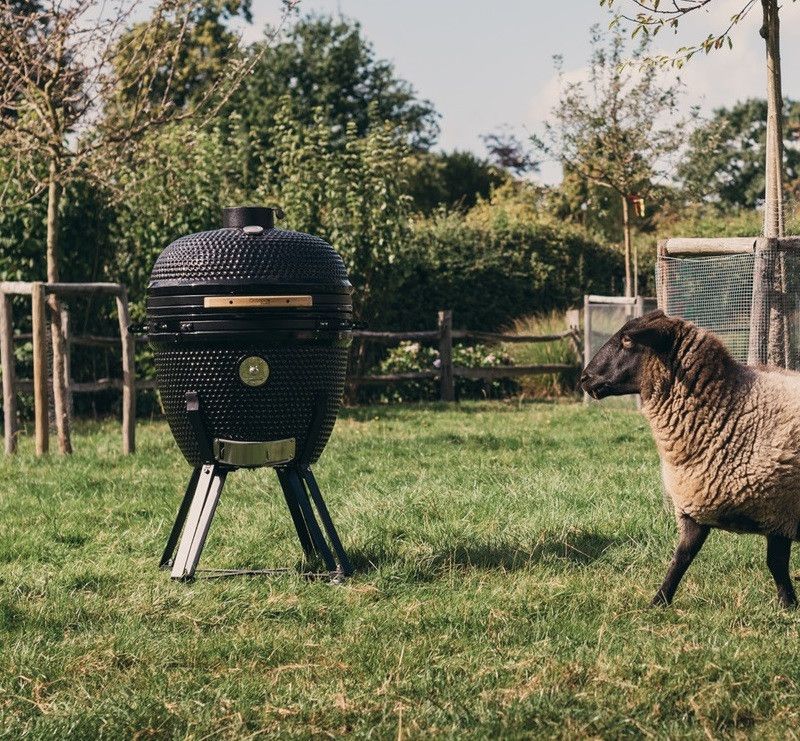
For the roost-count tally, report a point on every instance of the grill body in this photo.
(305, 389)
(207, 314)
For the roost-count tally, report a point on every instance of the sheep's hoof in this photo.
(660, 600)
(787, 603)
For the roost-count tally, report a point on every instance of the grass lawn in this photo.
(506, 555)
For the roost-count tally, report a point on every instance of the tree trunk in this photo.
(56, 336)
(626, 235)
(773, 195)
(775, 296)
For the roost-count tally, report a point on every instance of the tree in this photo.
(326, 64)
(724, 162)
(65, 64)
(612, 134)
(451, 179)
(354, 195)
(509, 153)
(651, 17)
(208, 48)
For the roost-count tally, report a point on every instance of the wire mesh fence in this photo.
(714, 292)
(775, 315)
(750, 299)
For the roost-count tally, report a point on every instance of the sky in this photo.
(489, 65)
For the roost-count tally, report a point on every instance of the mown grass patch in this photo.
(506, 555)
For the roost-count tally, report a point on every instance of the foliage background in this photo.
(325, 128)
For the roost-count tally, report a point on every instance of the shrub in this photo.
(490, 273)
(412, 357)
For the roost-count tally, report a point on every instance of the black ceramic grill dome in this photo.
(201, 349)
(251, 327)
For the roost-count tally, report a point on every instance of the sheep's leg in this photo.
(778, 548)
(693, 535)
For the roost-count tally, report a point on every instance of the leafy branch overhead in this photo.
(70, 65)
(652, 16)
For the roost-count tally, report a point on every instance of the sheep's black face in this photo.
(616, 368)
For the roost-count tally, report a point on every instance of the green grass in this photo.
(506, 556)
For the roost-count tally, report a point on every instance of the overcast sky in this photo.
(486, 65)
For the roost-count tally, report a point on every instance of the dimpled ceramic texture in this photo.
(274, 256)
(303, 382)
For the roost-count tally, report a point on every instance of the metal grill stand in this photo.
(200, 501)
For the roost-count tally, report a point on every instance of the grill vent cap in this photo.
(239, 217)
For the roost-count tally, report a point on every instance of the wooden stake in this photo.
(67, 364)
(446, 384)
(128, 375)
(9, 373)
(587, 337)
(626, 236)
(38, 314)
(60, 402)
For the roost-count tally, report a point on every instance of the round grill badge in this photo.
(254, 371)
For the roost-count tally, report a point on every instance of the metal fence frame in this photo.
(637, 306)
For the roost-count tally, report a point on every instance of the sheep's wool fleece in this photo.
(728, 435)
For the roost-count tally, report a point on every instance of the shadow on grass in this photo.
(578, 548)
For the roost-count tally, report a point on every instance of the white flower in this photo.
(437, 363)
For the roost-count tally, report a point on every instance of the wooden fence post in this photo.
(9, 373)
(128, 374)
(662, 279)
(573, 318)
(39, 320)
(446, 384)
(759, 307)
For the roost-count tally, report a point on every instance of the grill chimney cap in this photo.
(239, 217)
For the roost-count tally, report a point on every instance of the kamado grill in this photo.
(251, 327)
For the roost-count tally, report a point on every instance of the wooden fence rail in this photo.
(447, 371)
(443, 337)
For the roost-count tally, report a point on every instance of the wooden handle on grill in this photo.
(256, 302)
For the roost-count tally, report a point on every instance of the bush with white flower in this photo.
(413, 357)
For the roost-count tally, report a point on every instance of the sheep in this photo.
(728, 436)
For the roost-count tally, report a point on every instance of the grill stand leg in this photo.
(293, 504)
(180, 518)
(198, 520)
(320, 546)
(311, 483)
(199, 504)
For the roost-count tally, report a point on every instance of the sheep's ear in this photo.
(656, 333)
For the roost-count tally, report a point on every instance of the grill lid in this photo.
(249, 250)
(248, 276)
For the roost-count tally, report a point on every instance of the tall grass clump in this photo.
(548, 385)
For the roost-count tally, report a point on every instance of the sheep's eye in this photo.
(627, 342)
